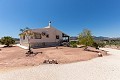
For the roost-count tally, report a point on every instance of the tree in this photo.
(28, 33)
(85, 38)
(7, 40)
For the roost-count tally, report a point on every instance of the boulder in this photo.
(50, 61)
(100, 54)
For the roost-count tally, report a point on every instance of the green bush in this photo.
(73, 44)
(95, 45)
(85, 38)
(7, 40)
(101, 44)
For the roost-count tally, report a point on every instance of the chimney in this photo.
(49, 23)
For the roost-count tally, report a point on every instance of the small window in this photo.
(31, 37)
(57, 36)
(47, 36)
(43, 33)
(38, 36)
(23, 37)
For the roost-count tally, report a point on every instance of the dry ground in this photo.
(104, 68)
(16, 57)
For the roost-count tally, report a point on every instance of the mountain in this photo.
(97, 38)
(16, 39)
(101, 38)
(73, 38)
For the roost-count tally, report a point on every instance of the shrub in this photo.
(73, 44)
(7, 40)
(101, 44)
(85, 38)
(95, 45)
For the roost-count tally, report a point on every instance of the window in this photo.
(23, 37)
(43, 33)
(32, 37)
(47, 36)
(57, 36)
(38, 36)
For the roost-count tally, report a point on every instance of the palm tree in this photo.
(28, 33)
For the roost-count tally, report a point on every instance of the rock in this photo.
(50, 61)
(56, 47)
(100, 54)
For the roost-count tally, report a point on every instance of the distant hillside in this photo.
(73, 38)
(17, 40)
(96, 38)
(105, 38)
(101, 38)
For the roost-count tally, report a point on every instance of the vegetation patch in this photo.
(7, 40)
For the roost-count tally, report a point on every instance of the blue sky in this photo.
(102, 17)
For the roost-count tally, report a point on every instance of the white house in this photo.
(44, 37)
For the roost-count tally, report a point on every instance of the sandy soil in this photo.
(16, 57)
(104, 68)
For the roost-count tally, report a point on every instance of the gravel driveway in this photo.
(104, 68)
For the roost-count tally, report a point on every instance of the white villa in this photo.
(44, 37)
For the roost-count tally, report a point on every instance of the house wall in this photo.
(52, 36)
(44, 41)
(23, 42)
